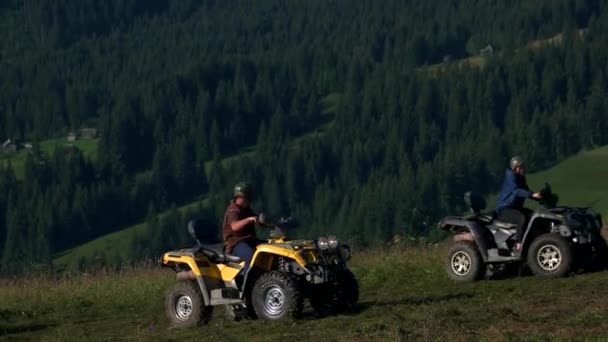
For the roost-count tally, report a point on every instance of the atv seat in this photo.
(483, 217)
(486, 217)
(490, 218)
(477, 203)
(504, 225)
(205, 233)
(216, 254)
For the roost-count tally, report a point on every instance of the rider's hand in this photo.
(253, 219)
(536, 195)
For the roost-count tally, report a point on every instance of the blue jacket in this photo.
(514, 191)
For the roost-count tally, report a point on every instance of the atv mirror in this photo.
(262, 219)
(548, 199)
(546, 189)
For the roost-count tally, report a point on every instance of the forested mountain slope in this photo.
(578, 181)
(173, 85)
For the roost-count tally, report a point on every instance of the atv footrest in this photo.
(221, 301)
(225, 296)
(225, 293)
(494, 256)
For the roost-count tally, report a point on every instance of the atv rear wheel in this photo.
(276, 295)
(184, 305)
(550, 255)
(335, 297)
(464, 262)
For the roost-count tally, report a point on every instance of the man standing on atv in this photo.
(239, 225)
(510, 207)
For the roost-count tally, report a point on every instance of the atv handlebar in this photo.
(278, 226)
(282, 222)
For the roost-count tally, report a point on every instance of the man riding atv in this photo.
(552, 241)
(239, 225)
(510, 206)
(256, 279)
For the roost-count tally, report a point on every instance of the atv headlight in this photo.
(332, 241)
(323, 243)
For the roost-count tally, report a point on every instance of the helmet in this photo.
(516, 161)
(243, 189)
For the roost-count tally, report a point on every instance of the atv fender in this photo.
(480, 234)
(538, 224)
(191, 272)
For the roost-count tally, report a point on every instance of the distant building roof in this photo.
(487, 50)
(88, 132)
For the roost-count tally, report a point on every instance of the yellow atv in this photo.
(282, 274)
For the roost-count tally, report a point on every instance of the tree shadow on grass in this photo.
(18, 329)
(365, 305)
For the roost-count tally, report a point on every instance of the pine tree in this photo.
(15, 252)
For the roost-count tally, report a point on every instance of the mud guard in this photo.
(532, 228)
(481, 235)
(203, 287)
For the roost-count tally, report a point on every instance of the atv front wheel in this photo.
(335, 297)
(464, 262)
(550, 255)
(184, 305)
(276, 295)
(599, 250)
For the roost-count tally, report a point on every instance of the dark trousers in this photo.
(244, 250)
(517, 216)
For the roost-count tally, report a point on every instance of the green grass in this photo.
(87, 146)
(405, 295)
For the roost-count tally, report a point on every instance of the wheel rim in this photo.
(461, 263)
(274, 301)
(183, 307)
(549, 257)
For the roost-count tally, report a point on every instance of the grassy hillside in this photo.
(480, 60)
(118, 241)
(405, 295)
(17, 160)
(581, 180)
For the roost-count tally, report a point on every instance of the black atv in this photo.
(555, 242)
